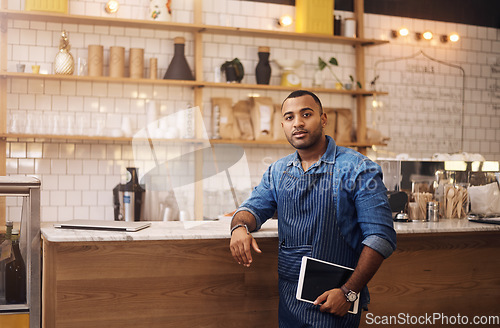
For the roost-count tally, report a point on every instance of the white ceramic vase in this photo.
(159, 10)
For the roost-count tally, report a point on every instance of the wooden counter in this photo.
(125, 281)
(438, 273)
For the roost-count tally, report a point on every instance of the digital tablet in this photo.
(316, 277)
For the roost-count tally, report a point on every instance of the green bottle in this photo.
(15, 274)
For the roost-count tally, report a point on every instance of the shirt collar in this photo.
(328, 157)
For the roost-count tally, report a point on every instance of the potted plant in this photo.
(348, 86)
(339, 85)
(333, 61)
(234, 70)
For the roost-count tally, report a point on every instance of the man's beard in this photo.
(312, 137)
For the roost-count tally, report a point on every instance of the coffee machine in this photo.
(128, 198)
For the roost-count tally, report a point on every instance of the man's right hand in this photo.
(241, 245)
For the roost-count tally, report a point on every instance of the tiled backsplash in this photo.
(78, 176)
(423, 112)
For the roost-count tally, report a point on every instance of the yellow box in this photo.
(314, 16)
(15, 320)
(58, 6)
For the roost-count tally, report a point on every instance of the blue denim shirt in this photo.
(362, 210)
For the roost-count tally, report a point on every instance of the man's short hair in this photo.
(300, 93)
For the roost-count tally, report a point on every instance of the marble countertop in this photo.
(172, 230)
(176, 230)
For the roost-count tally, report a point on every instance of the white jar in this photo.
(350, 27)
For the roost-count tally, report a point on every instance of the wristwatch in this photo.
(350, 295)
(239, 226)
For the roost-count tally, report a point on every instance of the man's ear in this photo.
(324, 119)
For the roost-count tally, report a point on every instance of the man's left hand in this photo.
(333, 301)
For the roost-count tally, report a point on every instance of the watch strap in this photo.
(347, 293)
(239, 226)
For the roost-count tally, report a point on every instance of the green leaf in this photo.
(359, 85)
(352, 79)
(333, 61)
(321, 64)
(240, 71)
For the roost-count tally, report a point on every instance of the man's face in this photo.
(302, 121)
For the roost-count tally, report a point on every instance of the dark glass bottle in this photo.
(179, 68)
(263, 68)
(337, 23)
(132, 196)
(15, 275)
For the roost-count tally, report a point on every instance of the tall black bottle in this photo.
(132, 196)
(15, 274)
(263, 68)
(179, 68)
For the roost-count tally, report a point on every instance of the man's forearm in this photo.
(244, 217)
(368, 264)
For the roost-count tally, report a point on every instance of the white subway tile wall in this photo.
(422, 113)
(431, 96)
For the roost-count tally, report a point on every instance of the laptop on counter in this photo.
(491, 219)
(103, 225)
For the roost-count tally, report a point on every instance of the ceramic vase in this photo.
(64, 62)
(179, 68)
(263, 68)
(160, 10)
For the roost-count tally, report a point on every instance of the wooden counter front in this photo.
(196, 283)
(172, 283)
(444, 273)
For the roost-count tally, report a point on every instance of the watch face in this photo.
(352, 296)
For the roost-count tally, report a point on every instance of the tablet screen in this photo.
(318, 276)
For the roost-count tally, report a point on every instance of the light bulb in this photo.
(112, 6)
(404, 31)
(285, 20)
(427, 35)
(454, 37)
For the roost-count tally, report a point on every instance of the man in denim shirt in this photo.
(332, 205)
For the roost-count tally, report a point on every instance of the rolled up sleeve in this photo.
(381, 245)
(262, 202)
(373, 210)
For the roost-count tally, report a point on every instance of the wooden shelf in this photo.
(108, 79)
(284, 142)
(286, 88)
(93, 138)
(184, 27)
(62, 137)
(249, 142)
(96, 20)
(184, 83)
(272, 34)
(130, 139)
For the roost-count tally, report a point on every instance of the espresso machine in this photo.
(128, 198)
